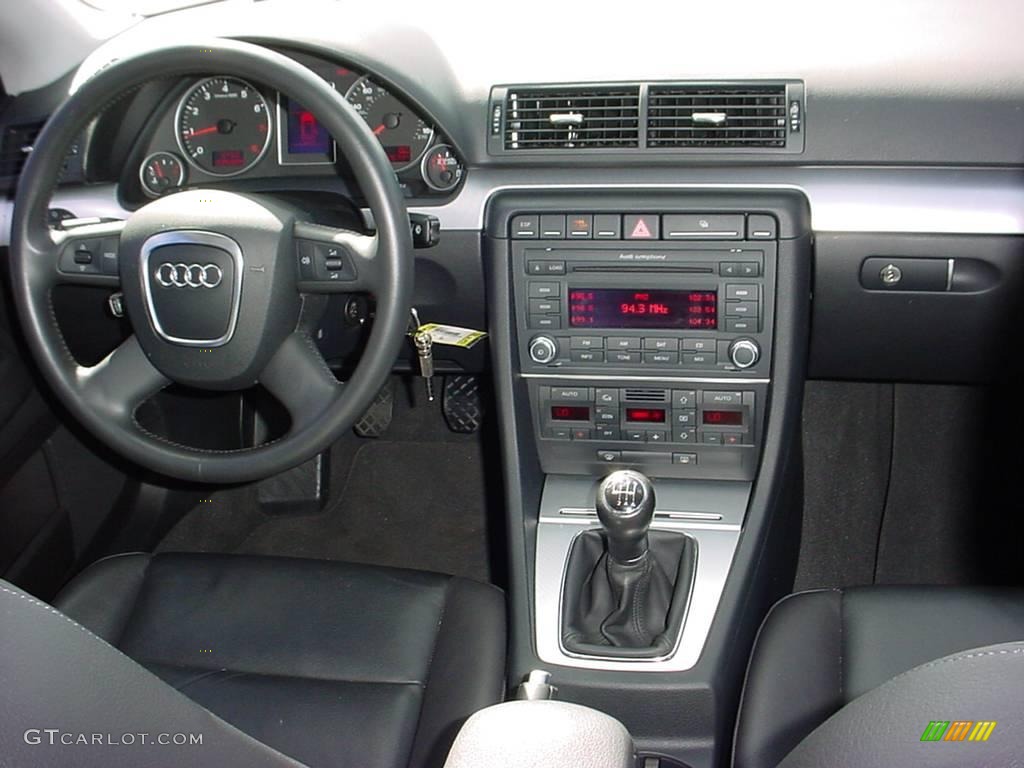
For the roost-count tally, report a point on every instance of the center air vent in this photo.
(640, 395)
(572, 118)
(718, 116)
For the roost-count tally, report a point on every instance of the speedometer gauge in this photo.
(223, 126)
(403, 134)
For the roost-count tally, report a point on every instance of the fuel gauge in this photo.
(441, 169)
(160, 173)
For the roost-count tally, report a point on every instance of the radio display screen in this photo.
(655, 308)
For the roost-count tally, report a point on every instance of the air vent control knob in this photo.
(744, 353)
(543, 350)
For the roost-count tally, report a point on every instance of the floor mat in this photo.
(411, 505)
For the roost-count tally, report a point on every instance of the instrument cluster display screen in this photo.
(654, 308)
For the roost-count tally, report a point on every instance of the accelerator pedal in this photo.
(462, 403)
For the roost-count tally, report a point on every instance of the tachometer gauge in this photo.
(160, 173)
(403, 134)
(223, 126)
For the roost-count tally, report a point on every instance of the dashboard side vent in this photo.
(638, 395)
(572, 118)
(718, 116)
(16, 145)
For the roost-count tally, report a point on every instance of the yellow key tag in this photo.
(452, 335)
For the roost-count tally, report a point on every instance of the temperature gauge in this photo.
(160, 173)
(441, 169)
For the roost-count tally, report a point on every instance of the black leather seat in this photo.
(818, 651)
(329, 663)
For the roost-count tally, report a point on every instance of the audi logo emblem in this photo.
(182, 275)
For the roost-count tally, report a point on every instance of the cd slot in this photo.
(691, 269)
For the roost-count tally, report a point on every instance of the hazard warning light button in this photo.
(642, 226)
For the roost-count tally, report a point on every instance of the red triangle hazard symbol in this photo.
(641, 230)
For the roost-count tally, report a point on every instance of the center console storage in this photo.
(664, 333)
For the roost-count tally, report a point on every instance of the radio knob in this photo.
(744, 353)
(543, 349)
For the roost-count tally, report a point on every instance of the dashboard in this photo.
(219, 128)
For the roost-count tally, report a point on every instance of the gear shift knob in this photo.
(625, 507)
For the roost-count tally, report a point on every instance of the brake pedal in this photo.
(462, 403)
(377, 418)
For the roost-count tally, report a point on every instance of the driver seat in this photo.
(327, 663)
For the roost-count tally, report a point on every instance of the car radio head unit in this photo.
(655, 308)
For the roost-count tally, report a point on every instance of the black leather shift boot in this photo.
(632, 611)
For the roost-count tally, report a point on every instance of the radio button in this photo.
(749, 269)
(580, 226)
(545, 267)
(622, 342)
(741, 292)
(729, 269)
(607, 226)
(624, 358)
(662, 345)
(739, 325)
(604, 432)
(545, 306)
(606, 396)
(543, 290)
(698, 345)
(684, 398)
(661, 358)
(586, 342)
(572, 394)
(587, 356)
(552, 227)
(699, 359)
(544, 322)
(525, 228)
(741, 308)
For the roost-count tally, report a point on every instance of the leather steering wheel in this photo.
(239, 324)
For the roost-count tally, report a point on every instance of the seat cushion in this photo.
(817, 651)
(332, 664)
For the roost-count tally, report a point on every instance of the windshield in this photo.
(143, 7)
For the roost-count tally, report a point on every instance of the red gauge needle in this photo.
(211, 129)
(379, 129)
(159, 170)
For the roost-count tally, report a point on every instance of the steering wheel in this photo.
(211, 280)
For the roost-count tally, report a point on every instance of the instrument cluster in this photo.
(223, 127)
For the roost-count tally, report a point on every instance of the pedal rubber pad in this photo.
(462, 403)
(377, 418)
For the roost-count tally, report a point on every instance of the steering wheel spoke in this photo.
(336, 260)
(119, 383)
(298, 376)
(87, 254)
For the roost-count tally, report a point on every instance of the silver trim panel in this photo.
(716, 544)
(190, 237)
(654, 378)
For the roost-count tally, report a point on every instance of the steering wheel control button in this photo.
(192, 283)
(79, 257)
(323, 262)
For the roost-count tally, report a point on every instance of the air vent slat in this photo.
(573, 118)
(16, 145)
(716, 117)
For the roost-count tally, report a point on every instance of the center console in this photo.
(659, 333)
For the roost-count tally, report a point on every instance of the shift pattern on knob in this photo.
(625, 507)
